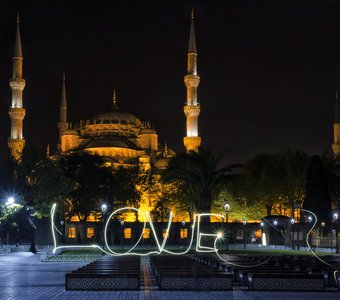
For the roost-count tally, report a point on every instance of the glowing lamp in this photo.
(226, 207)
(104, 208)
(10, 201)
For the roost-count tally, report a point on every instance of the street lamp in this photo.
(10, 201)
(62, 232)
(292, 222)
(244, 233)
(104, 210)
(335, 218)
(226, 208)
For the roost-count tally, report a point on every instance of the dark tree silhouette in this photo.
(317, 195)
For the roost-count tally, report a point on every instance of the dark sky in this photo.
(269, 69)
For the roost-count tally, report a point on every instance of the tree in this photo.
(317, 195)
(24, 185)
(50, 185)
(129, 185)
(274, 181)
(202, 172)
(173, 196)
(90, 180)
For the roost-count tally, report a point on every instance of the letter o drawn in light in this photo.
(108, 221)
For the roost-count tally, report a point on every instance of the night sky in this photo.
(269, 69)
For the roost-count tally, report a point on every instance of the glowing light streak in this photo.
(199, 247)
(146, 218)
(307, 236)
(161, 247)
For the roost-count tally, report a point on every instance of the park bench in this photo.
(108, 273)
(184, 273)
(286, 282)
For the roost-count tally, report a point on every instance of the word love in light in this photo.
(161, 246)
(147, 219)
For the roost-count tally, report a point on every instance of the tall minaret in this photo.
(336, 128)
(192, 108)
(16, 142)
(62, 124)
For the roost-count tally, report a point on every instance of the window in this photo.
(127, 233)
(165, 233)
(146, 233)
(90, 232)
(183, 233)
(72, 233)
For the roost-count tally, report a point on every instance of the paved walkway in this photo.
(23, 276)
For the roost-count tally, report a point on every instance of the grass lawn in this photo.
(278, 252)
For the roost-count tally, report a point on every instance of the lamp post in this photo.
(9, 202)
(62, 232)
(292, 222)
(335, 218)
(104, 210)
(244, 233)
(226, 208)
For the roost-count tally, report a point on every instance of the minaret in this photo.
(62, 124)
(336, 128)
(192, 108)
(16, 142)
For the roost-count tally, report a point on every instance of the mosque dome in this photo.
(70, 132)
(162, 163)
(148, 131)
(116, 116)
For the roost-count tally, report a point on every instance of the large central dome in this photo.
(116, 116)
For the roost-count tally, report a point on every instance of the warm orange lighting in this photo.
(146, 233)
(183, 233)
(127, 233)
(72, 233)
(90, 232)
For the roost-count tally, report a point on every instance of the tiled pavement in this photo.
(23, 276)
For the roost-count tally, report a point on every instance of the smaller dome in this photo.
(162, 164)
(70, 132)
(148, 131)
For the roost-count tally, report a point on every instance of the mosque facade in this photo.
(121, 138)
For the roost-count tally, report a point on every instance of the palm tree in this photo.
(200, 170)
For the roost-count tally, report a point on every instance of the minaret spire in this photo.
(114, 101)
(192, 40)
(16, 142)
(62, 124)
(192, 108)
(336, 128)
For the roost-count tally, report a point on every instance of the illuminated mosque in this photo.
(120, 137)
